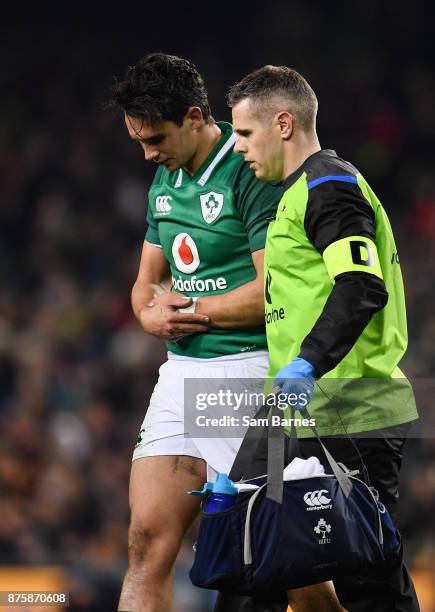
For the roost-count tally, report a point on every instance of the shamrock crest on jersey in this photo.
(211, 205)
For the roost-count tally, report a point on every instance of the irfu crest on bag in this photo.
(323, 529)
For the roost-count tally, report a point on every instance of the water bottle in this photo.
(222, 496)
(391, 537)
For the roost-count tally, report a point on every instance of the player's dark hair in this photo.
(160, 87)
(269, 82)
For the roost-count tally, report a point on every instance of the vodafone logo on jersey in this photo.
(185, 253)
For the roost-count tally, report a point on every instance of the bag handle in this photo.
(248, 448)
(275, 452)
(252, 439)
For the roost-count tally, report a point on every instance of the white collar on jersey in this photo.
(206, 174)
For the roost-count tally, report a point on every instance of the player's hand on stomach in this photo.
(161, 317)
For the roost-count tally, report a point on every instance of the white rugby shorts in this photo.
(163, 429)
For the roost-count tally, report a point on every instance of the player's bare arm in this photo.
(241, 307)
(156, 313)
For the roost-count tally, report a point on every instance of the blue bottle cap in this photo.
(208, 486)
(224, 485)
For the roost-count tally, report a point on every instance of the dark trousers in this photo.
(387, 590)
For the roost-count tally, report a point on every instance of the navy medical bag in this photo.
(290, 534)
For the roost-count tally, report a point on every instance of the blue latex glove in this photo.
(296, 380)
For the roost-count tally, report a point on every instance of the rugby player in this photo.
(207, 221)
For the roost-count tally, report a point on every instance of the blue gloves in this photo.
(296, 380)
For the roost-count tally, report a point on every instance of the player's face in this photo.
(164, 143)
(258, 141)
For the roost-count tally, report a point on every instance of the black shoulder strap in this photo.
(275, 452)
(249, 447)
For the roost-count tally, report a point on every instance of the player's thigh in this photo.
(315, 598)
(158, 493)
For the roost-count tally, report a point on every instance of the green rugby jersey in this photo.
(208, 225)
(330, 263)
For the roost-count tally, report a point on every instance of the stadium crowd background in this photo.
(76, 370)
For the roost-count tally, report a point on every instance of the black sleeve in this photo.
(355, 298)
(338, 210)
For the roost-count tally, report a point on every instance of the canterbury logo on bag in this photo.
(317, 500)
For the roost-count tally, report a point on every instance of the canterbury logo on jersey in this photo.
(317, 500)
(162, 204)
(185, 253)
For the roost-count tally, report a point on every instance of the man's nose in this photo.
(239, 146)
(150, 153)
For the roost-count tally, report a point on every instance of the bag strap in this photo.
(275, 451)
(275, 458)
(334, 400)
(341, 475)
(248, 448)
(275, 462)
(254, 436)
(247, 550)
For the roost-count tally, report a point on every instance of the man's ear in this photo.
(195, 116)
(285, 121)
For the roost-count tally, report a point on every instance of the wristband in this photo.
(189, 309)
